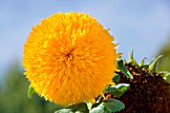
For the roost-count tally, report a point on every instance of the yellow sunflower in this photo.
(69, 58)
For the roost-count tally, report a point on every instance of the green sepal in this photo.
(132, 59)
(30, 92)
(116, 78)
(146, 66)
(153, 63)
(118, 90)
(114, 105)
(123, 68)
(101, 108)
(142, 63)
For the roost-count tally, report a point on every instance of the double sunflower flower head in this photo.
(69, 58)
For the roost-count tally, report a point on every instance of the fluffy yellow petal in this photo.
(69, 58)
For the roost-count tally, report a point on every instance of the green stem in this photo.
(99, 100)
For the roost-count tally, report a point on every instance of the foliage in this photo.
(107, 106)
(164, 63)
(13, 95)
(148, 86)
(123, 68)
(118, 90)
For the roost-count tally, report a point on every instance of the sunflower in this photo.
(69, 58)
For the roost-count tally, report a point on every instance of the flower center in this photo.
(69, 56)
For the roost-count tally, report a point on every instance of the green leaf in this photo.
(82, 107)
(30, 92)
(76, 108)
(114, 105)
(153, 63)
(64, 111)
(116, 78)
(118, 90)
(95, 105)
(123, 68)
(101, 108)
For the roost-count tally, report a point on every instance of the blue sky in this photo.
(140, 24)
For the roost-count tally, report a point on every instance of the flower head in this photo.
(69, 58)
